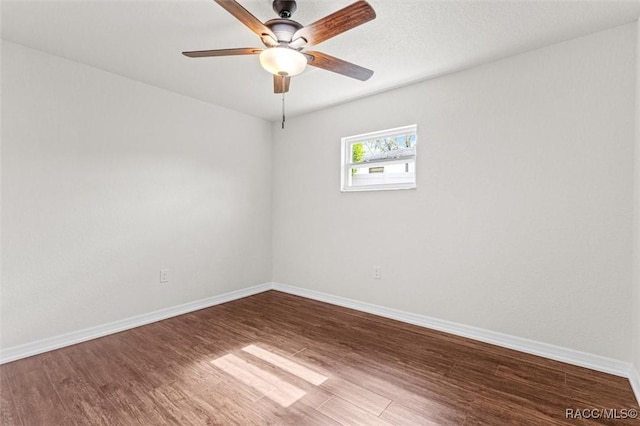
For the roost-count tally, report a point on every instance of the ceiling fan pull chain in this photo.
(283, 83)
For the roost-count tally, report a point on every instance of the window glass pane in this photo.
(378, 174)
(397, 146)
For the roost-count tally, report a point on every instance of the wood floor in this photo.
(280, 359)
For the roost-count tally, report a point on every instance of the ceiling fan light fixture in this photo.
(283, 61)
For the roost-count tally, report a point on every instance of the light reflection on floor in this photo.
(286, 364)
(266, 383)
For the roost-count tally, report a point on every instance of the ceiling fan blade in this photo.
(244, 16)
(338, 22)
(281, 84)
(327, 62)
(222, 52)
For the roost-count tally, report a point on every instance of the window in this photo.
(380, 160)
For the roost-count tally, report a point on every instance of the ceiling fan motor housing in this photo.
(283, 28)
(284, 8)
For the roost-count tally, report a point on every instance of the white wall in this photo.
(521, 222)
(105, 181)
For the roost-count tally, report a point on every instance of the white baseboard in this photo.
(634, 379)
(60, 341)
(558, 353)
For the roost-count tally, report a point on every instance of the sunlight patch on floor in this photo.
(286, 365)
(271, 386)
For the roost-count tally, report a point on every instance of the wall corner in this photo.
(635, 284)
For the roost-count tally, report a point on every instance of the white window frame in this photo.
(347, 165)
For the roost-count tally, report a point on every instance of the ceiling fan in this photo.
(286, 39)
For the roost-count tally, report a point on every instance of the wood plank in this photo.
(37, 401)
(133, 404)
(235, 403)
(601, 389)
(357, 395)
(543, 404)
(270, 385)
(426, 392)
(525, 373)
(81, 399)
(348, 414)
(182, 408)
(8, 412)
(238, 369)
(403, 416)
(302, 412)
(323, 360)
(497, 412)
(286, 364)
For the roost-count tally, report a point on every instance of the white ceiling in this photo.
(410, 40)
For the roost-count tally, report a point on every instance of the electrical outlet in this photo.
(164, 275)
(376, 272)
